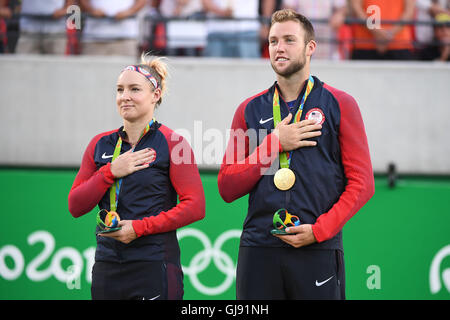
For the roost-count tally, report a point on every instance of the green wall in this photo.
(389, 245)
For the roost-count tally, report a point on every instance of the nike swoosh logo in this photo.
(264, 121)
(318, 284)
(104, 156)
(154, 298)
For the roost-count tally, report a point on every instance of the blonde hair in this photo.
(290, 15)
(158, 68)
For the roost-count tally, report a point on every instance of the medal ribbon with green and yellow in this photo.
(285, 156)
(115, 188)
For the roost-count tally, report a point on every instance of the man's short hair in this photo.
(290, 15)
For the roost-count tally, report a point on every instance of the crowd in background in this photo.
(345, 29)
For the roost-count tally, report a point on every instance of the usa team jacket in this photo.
(148, 196)
(334, 179)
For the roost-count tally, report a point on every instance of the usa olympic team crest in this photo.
(316, 114)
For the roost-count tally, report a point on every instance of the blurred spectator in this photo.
(266, 9)
(151, 35)
(442, 33)
(332, 13)
(5, 13)
(239, 38)
(73, 31)
(43, 27)
(111, 27)
(388, 42)
(9, 25)
(427, 10)
(184, 37)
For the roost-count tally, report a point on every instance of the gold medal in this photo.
(284, 179)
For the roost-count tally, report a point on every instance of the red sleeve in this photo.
(357, 168)
(90, 184)
(186, 181)
(240, 171)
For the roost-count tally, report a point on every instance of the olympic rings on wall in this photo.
(202, 259)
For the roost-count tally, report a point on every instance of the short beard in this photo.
(292, 69)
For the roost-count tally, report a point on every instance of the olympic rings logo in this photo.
(202, 259)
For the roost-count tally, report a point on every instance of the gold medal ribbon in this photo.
(285, 156)
(115, 188)
(284, 178)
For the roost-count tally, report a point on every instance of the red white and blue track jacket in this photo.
(334, 179)
(148, 196)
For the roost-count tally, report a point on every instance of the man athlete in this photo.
(318, 134)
